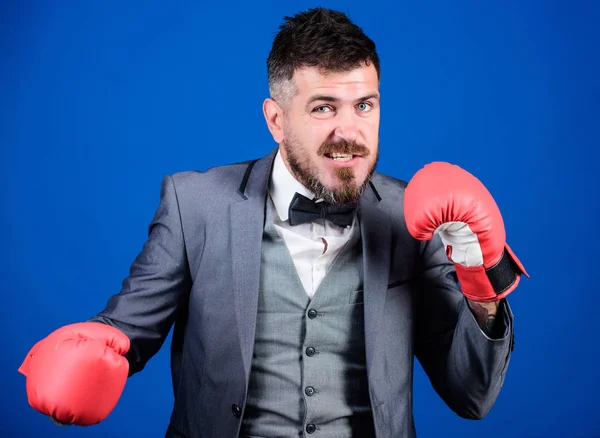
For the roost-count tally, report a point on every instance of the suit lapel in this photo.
(247, 224)
(376, 244)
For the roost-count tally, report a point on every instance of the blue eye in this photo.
(364, 106)
(321, 109)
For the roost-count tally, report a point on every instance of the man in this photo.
(301, 285)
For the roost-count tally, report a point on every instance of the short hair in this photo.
(321, 38)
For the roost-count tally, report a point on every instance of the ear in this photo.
(274, 117)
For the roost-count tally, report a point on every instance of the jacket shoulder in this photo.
(388, 185)
(222, 179)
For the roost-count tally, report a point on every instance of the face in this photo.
(330, 132)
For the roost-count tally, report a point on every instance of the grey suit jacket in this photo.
(199, 271)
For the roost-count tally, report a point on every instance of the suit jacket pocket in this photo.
(395, 284)
(358, 296)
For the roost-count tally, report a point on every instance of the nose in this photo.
(346, 128)
(347, 133)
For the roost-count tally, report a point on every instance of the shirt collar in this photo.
(283, 186)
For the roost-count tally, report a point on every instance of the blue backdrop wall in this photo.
(100, 100)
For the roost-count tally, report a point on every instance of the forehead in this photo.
(359, 81)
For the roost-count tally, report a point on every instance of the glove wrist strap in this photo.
(494, 283)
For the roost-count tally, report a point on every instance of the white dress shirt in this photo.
(312, 245)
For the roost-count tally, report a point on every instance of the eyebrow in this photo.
(326, 98)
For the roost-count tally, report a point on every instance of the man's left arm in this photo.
(466, 363)
(443, 200)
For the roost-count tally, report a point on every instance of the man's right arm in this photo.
(80, 359)
(158, 282)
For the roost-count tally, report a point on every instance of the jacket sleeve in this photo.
(465, 366)
(157, 287)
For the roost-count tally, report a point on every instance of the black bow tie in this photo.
(303, 210)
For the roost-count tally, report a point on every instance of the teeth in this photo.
(341, 157)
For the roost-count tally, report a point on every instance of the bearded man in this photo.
(302, 285)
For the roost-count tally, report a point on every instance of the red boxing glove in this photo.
(443, 198)
(76, 375)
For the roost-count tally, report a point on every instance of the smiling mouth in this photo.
(341, 157)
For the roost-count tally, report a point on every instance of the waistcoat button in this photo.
(237, 411)
(310, 351)
(312, 313)
(309, 390)
(311, 428)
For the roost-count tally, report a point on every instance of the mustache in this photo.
(343, 147)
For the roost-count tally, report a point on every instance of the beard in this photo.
(350, 191)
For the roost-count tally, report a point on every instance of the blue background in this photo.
(100, 100)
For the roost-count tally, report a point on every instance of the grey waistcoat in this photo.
(308, 369)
